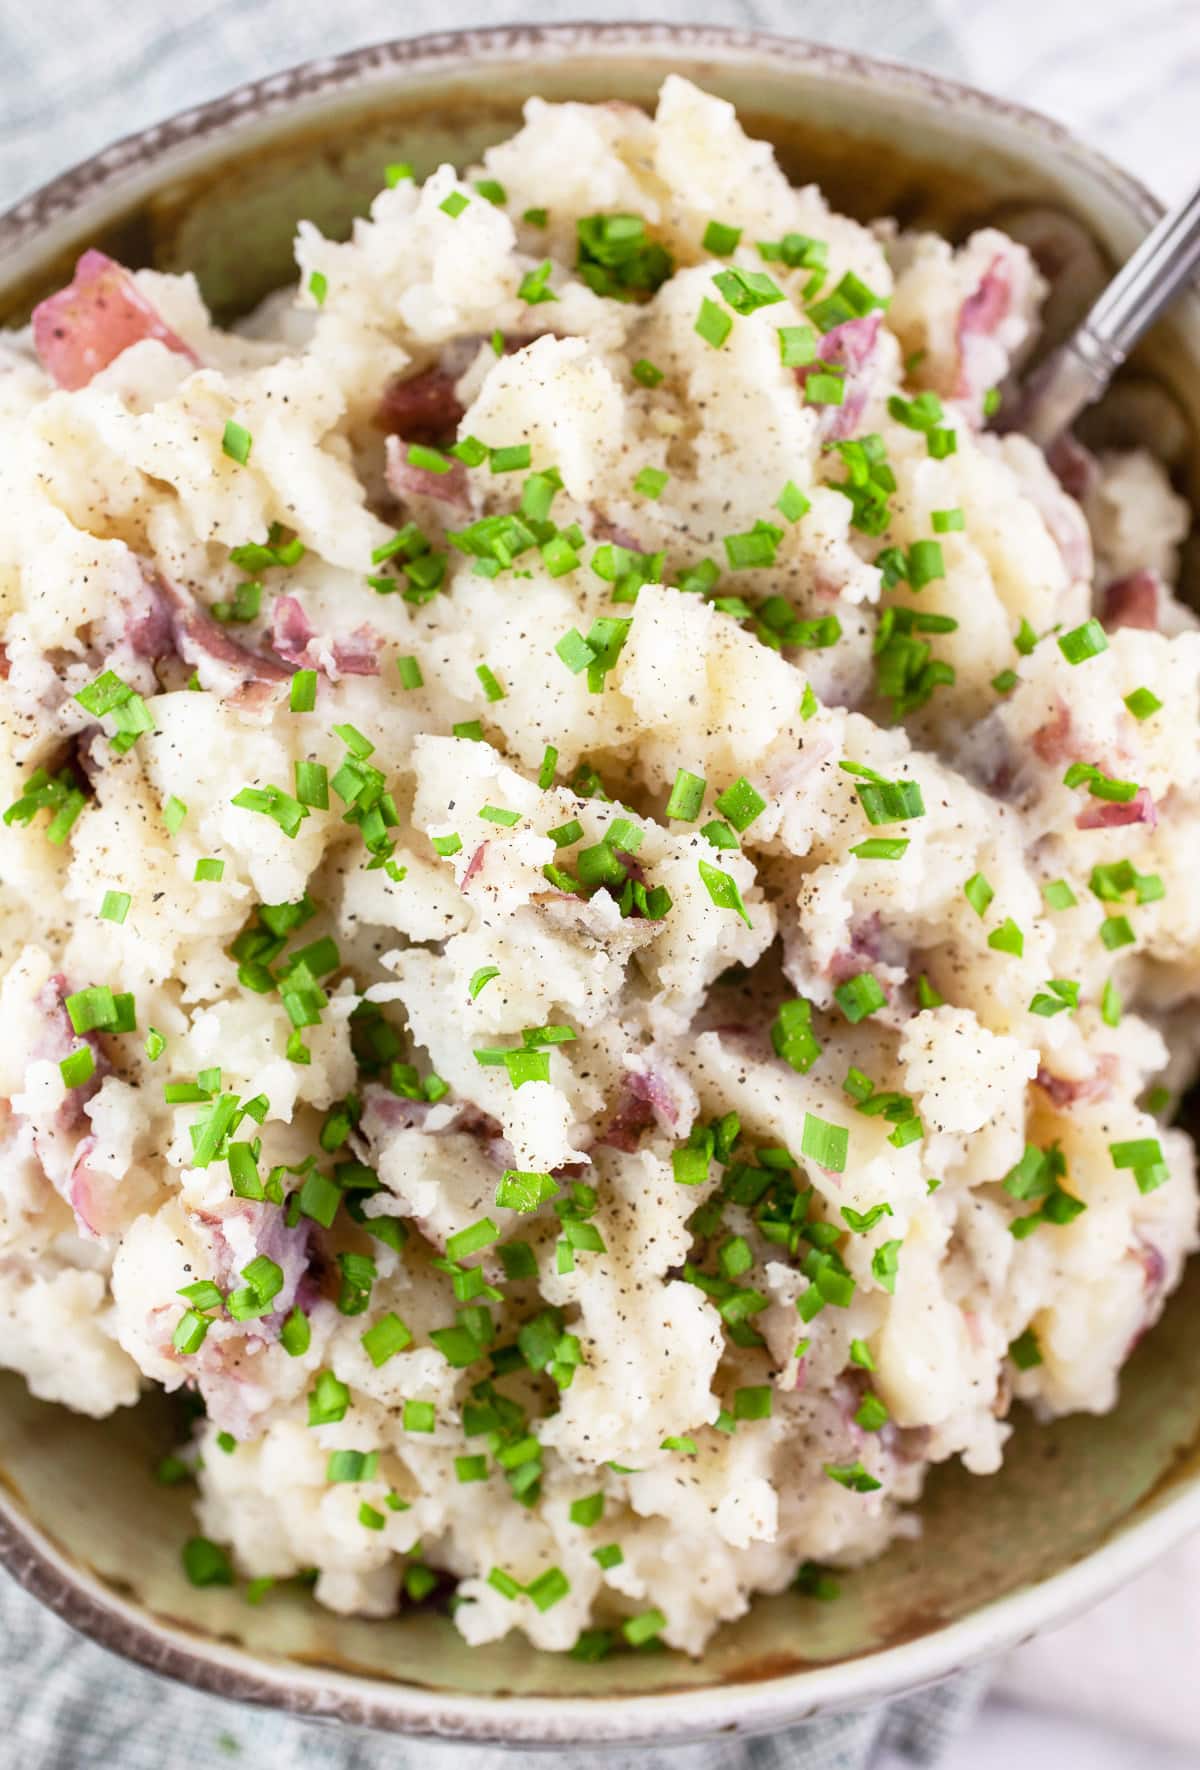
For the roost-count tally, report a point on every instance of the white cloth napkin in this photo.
(1132, 1663)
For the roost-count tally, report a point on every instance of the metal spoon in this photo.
(1080, 370)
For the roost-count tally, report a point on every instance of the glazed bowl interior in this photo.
(82, 1519)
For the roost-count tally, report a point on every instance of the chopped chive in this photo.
(312, 785)
(510, 459)
(575, 651)
(687, 796)
(1061, 996)
(115, 906)
(885, 1263)
(385, 1338)
(1008, 938)
(205, 1563)
(534, 288)
(351, 1465)
(872, 1413)
(472, 1239)
(525, 1191)
(548, 1588)
(1025, 639)
(752, 1403)
(208, 871)
(862, 1221)
(1084, 642)
(419, 1581)
(646, 374)
(1058, 895)
(236, 442)
(946, 522)
(644, 1627)
(721, 239)
(797, 346)
(978, 893)
(1136, 1152)
(890, 802)
(740, 804)
(1143, 703)
(491, 686)
(481, 978)
(1110, 1004)
(453, 204)
(756, 547)
(723, 890)
(792, 502)
(713, 324)
(566, 835)
(925, 563)
(78, 1067)
(559, 556)
(826, 388)
(189, 1332)
(747, 290)
(792, 1036)
(650, 481)
(861, 996)
(881, 848)
(825, 1144)
(303, 694)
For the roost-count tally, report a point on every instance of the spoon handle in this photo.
(1081, 369)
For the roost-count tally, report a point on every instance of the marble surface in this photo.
(1117, 1690)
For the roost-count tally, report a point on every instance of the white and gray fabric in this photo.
(74, 75)
(66, 1704)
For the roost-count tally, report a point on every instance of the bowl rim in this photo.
(78, 1595)
(105, 171)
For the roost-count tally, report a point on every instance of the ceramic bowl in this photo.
(1082, 1503)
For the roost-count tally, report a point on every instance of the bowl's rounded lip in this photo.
(98, 174)
(81, 1597)
(316, 1692)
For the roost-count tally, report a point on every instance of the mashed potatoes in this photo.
(596, 883)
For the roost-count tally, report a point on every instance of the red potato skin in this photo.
(86, 326)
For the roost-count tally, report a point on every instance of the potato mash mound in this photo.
(598, 884)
